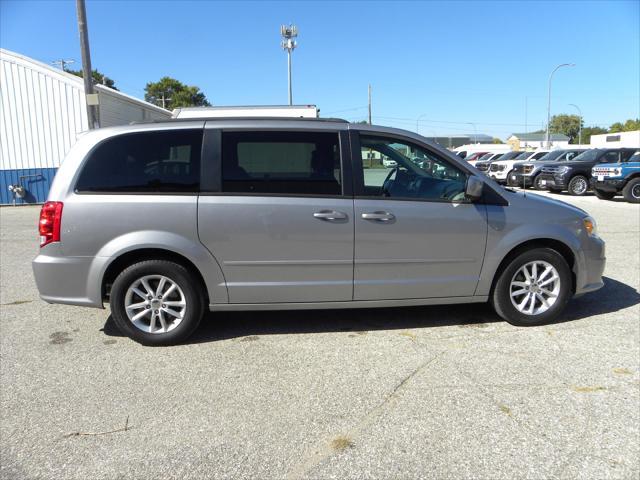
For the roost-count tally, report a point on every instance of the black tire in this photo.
(631, 190)
(511, 183)
(191, 289)
(602, 195)
(501, 294)
(578, 185)
(536, 183)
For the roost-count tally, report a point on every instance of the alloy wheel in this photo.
(535, 287)
(155, 304)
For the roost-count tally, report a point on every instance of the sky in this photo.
(457, 67)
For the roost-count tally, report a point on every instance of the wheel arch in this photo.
(557, 245)
(131, 257)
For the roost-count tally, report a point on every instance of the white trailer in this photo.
(276, 111)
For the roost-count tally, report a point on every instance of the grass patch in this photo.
(622, 371)
(587, 389)
(506, 410)
(342, 442)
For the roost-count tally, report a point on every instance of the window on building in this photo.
(162, 161)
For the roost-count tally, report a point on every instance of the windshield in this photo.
(552, 156)
(537, 155)
(523, 156)
(588, 156)
(509, 156)
(635, 157)
(486, 156)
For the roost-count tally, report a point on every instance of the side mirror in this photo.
(473, 188)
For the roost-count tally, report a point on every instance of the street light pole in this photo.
(547, 141)
(579, 122)
(475, 129)
(289, 44)
(418, 121)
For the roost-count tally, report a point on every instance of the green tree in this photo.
(588, 131)
(628, 126)
(568, 125)
(496, 140)
(98, 78)
(176, 94)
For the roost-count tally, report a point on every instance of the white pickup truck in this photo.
(500, 169)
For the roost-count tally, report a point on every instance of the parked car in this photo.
(487, 157)
(474, 157)
(526, 174)
(167, 220)
(484, 165)
(611, 179)
(501, 169)
(388, 163)
(574, 176)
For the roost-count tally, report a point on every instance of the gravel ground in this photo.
(429, 392)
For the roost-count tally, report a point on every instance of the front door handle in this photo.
(379, 216)
(330, 215)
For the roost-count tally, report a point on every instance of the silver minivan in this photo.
(166, 220)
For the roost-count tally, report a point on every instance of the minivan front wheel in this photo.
(156, 302)
(533, 289)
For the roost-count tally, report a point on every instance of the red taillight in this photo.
(50, 220)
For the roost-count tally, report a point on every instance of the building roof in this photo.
(539, 137)
(70, 78)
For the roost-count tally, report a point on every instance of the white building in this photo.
(42, 111)
(528, 141)
(620, 139)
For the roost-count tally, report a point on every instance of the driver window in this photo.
(401, 170)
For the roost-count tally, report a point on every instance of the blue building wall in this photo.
(37, 188)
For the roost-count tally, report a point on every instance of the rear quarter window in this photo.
(155, 162)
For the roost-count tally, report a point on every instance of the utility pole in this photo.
(579, 122)
(369, 104)
(547, 137)
(63, 63)
(163, 100)
(90, 99)
(289, 44)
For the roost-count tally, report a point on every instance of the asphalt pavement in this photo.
(428, 392)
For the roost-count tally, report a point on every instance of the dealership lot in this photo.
(414, 392)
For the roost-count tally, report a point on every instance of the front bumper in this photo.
(589, 274)
(500, 177)
(608, 185)
(552, 181)
(520, 179)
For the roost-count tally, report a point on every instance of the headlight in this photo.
(562, 170)
(590, 226)
(617, 172)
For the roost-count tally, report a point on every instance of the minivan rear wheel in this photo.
(533, 289)
(156, 302)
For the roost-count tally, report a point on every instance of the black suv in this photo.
(526, 174)
(574, 175)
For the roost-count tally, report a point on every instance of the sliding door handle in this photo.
(330, 215)
(379, 216)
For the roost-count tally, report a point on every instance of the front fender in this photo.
(501, 243)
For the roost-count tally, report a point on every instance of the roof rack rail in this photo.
(248, 119)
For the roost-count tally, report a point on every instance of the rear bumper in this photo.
(67, 280)
(607, 185)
